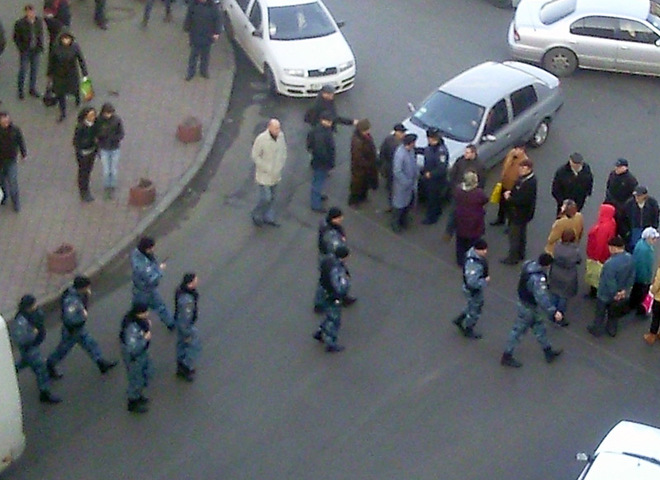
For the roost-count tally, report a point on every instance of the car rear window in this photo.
(555, 10)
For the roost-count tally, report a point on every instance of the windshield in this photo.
(297, 22)
(456, 118)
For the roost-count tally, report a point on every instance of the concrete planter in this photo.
(190, 131)
(142, 194)
(62, 259)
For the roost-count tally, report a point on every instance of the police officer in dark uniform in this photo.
(475, 279)
(134, 337)
(188, 345)
(336, 282)
(331, 236)
(434, 180)
(74, 303)
(28, 333)
(534, 302)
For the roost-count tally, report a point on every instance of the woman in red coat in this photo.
(597, 245)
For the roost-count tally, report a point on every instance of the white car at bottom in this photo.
(630, 451)
(296, 44)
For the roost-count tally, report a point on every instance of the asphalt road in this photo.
(409, 398)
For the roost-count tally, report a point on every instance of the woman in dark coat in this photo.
(364, 173)
(65, 58)
(469, 200)
(563, 278)
(84, 142)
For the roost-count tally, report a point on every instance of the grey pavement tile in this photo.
(141, 73)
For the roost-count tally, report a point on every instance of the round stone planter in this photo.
(189, 131)
(62, 259)
(142, 194)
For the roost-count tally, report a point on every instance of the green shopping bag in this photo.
(86, 89)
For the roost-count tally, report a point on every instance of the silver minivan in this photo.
(613, 35)
(494, 106)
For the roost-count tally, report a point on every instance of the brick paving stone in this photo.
(141, 72)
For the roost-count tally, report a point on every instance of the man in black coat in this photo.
(639, 212)
(573, 181)
(521, 202)
(29, 40)
(321, 144)
(204, 25)
(620, 185)
(325, 102)
(11, 143)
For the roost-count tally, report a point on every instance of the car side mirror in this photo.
(258, 33)
(583, 457)
(341, 23)
(489, 138)
(411, 107)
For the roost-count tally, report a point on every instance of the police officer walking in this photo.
(134, 337)
(28, 333)
(534, 300)
(147, 273)
(74, 304)
(336, 282)
(434, 180)
(475, 279)
(331, 236)
(188, 345)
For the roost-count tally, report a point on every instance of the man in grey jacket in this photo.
(269, 156)
(616, 281)
(405, 173)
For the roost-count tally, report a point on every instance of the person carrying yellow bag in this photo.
(508, 179)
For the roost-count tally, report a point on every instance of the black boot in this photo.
(551, 354)
(335, 348)
(185, 373)
(47, 397)
(105, 365)
(136, 406)
(458, 321)
(143, 399)
(508, 361)
(318, 336)
(53, 372)
(348, 301)
(470, 333)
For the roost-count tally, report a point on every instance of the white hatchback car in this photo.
(296, 44)
(630, 451)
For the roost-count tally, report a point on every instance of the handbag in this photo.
(647, 303)
(496, 194)
(86, 89)
(49, 98)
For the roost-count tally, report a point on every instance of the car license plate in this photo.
(316, 86)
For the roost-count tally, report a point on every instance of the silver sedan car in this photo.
(613, 35)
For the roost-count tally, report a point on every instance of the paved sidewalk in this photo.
(141, 72)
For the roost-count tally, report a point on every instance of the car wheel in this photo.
(540, 134)
(229, 28)
(560, 61)
(270, 80)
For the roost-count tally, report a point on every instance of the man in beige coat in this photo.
(269, 156)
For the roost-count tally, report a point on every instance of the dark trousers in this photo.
(462, 246)
(61, 102)
(517, 241)
(199, 53)
(99, 12)
(606, 319)
(433, 191)
(29, 59)
(655, 321)
(9, 183)
(85, 166)
(400, 218)
(637, 295)
(501, 211)
(149, 5)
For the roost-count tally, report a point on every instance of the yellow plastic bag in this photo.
(496, 194)
(592, 273)
(86, 89)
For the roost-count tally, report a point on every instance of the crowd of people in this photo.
(28, 330)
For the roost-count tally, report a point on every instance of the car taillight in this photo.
(516, 35)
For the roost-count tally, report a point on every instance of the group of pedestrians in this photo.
(28, 331)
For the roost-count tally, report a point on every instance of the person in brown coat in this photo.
(364, 173)
(508, 178)
(569, 219)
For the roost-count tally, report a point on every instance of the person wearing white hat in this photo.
(644, 258)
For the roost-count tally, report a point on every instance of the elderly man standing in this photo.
(404, 174)
(269, 156)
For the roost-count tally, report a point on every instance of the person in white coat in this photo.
(269, 156)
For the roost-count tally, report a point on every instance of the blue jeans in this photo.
(110, 161)
(264, 211)
(9, 183)
(28, 59)
(201, 52)
(69, 340)
(318, 182)
(155, 302)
